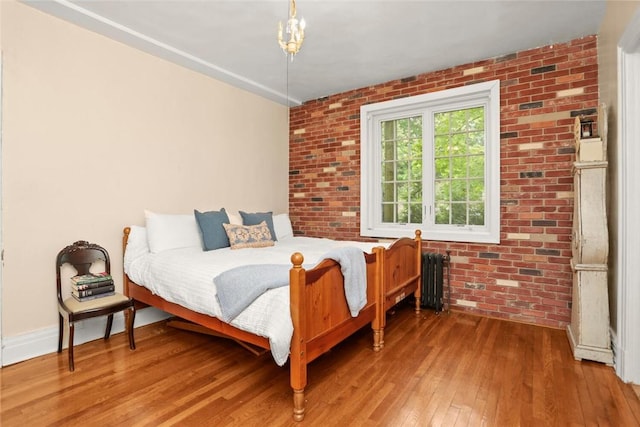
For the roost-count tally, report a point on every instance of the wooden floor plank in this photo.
(447, 369)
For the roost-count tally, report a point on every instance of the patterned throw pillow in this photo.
(256, 218)
(248, 236)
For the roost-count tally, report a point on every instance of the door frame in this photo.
(1, 210)
(628, 251)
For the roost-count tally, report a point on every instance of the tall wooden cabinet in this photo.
(589, 329)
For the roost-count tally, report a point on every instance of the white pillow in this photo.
(234, 218)
(282, 226)
(165, 231)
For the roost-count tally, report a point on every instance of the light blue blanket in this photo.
(238, 287)
(354, 270)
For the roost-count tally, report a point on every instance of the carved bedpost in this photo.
(129, 315)
(418, 293)
(380, 320)
(298, 355)
(125, 279)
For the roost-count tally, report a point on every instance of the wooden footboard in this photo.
(321, 317)
(319, 312)
(399, 267)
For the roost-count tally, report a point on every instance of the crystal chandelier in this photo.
(295, 30)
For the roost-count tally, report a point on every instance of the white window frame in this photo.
(486, 94)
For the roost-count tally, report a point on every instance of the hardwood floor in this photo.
(435, 370)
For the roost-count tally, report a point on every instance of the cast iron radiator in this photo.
(433, 268)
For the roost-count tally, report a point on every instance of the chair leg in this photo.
(107, 331)
(71, 365)
(60, 331)
(131, 316)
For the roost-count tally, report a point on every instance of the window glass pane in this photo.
(475, 120)
(459, 191)
(441, 123)
(442, 213)
(416, 148)
(475, 142)
(403, 214)
(387, 171)
(402, 129)
(388, 131)
(388, 212)
(459, 167)
(403, 150)
(443, 191)
(415, 127)
(402, 171)
(459, 213)
(416, 171)
(476, 166)
(441, 146)
(458, 121)
(476, 213)
(402, 191)
(442, 168)
(416, 192)
(416, 213)
(458, 144)
(388, 193)
(388, 150)
(476, 190)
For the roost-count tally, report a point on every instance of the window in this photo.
(433, 162)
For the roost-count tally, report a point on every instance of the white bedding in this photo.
(185, 277)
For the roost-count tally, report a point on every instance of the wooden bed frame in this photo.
(319, 312)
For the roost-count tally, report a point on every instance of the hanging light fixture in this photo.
(295, 31)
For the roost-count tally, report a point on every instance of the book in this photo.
(91, 297)
(84, 286)
(94, 291)
(91, 278)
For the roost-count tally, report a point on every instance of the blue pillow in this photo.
(256, 218)
(213, 233)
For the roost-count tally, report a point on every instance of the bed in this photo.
(318, 312)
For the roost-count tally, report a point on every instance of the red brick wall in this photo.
(527, 277)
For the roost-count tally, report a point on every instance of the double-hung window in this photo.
(432, 162)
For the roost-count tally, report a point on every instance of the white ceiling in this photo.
(349, 43)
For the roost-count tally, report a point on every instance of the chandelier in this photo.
(295, 31)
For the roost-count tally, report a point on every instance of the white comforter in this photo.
(185, 277)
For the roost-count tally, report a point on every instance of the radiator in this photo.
(433, 266)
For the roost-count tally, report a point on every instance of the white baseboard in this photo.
(44, 341)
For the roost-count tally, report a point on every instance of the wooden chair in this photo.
(82, 255)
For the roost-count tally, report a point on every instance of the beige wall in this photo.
(95, 132)
(616, 19)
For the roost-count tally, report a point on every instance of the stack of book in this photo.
(91, 286)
